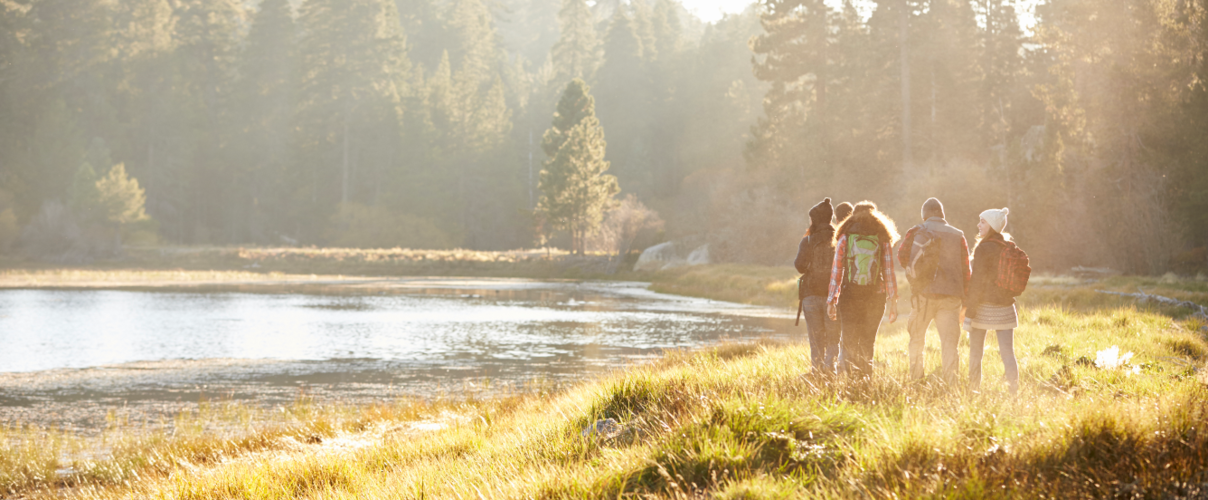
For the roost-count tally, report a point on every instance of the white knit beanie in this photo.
(997, 218)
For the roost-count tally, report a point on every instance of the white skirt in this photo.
(993, 318)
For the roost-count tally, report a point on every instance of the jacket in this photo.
(982, 289)
(815, 279)
(952, 277)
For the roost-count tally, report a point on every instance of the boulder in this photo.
(670, 255)
(607, 428)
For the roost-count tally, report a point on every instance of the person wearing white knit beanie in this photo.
(987, 305)
(996, 218)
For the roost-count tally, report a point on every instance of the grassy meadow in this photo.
(731, 421)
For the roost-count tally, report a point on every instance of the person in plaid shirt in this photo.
(861, 288)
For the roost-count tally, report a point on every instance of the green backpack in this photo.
(863, 264)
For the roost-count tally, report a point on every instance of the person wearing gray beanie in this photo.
(842, 212)
(814, 257)
(933, 208)
(989, 306)
(935, 256)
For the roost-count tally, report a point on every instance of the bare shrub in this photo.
(622, 225)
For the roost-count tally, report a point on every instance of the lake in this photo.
(74, 353)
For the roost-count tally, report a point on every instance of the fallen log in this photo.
(1198, 311)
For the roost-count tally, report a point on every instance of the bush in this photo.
(55, 234)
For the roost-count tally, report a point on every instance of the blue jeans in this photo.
(1006, 349)
(823, 333)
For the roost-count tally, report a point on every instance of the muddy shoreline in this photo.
(82, 400)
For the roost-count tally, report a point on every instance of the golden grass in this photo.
(165, 266)
(746, 284)
(752, 421)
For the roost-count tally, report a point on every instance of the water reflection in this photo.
(368, 341)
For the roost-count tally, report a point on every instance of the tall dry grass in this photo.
(753, 421)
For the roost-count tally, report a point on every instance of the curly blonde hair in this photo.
(866, 216)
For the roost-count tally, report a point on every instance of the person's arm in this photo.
(891, 283)
(836, 276)
(980, 277)
(968, 270)
(889, 277)
(802, 263)
(904, 249)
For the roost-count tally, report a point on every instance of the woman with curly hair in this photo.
(862, 283)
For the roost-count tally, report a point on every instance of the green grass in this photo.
(736, 421)
(745, 284)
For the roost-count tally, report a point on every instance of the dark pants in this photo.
(860, 315)
(823, 333)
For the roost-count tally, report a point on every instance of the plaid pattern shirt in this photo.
(889, 280)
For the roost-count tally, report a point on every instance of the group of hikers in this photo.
(848, 284)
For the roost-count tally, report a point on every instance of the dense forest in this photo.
(420, 123)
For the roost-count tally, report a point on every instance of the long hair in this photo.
(978, 239)
(865, 216)
(818, 228)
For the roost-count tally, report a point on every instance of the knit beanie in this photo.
(933, 208)
(821, 213)
(843, 211)
(997, 218)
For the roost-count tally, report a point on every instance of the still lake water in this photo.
(110, 348)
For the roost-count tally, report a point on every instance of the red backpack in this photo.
(1013, 269)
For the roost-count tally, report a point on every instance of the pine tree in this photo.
(83, 196)
(797, 64)
(150, 92)
(1001, 66)
(576, 53)
(207, 34)
(266, 97)
(575, 191)
(946, 79)
(354, 72)
(120, 198)
(626, 95)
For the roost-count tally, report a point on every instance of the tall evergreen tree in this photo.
(266, 98)
(626, 95)
(575, 191)
(354, 73)
(796, 62)
(946, 80)
(159, 138)
(1001, 67)
(576, 53)
(207, 34)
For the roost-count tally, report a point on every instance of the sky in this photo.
(712, 10)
